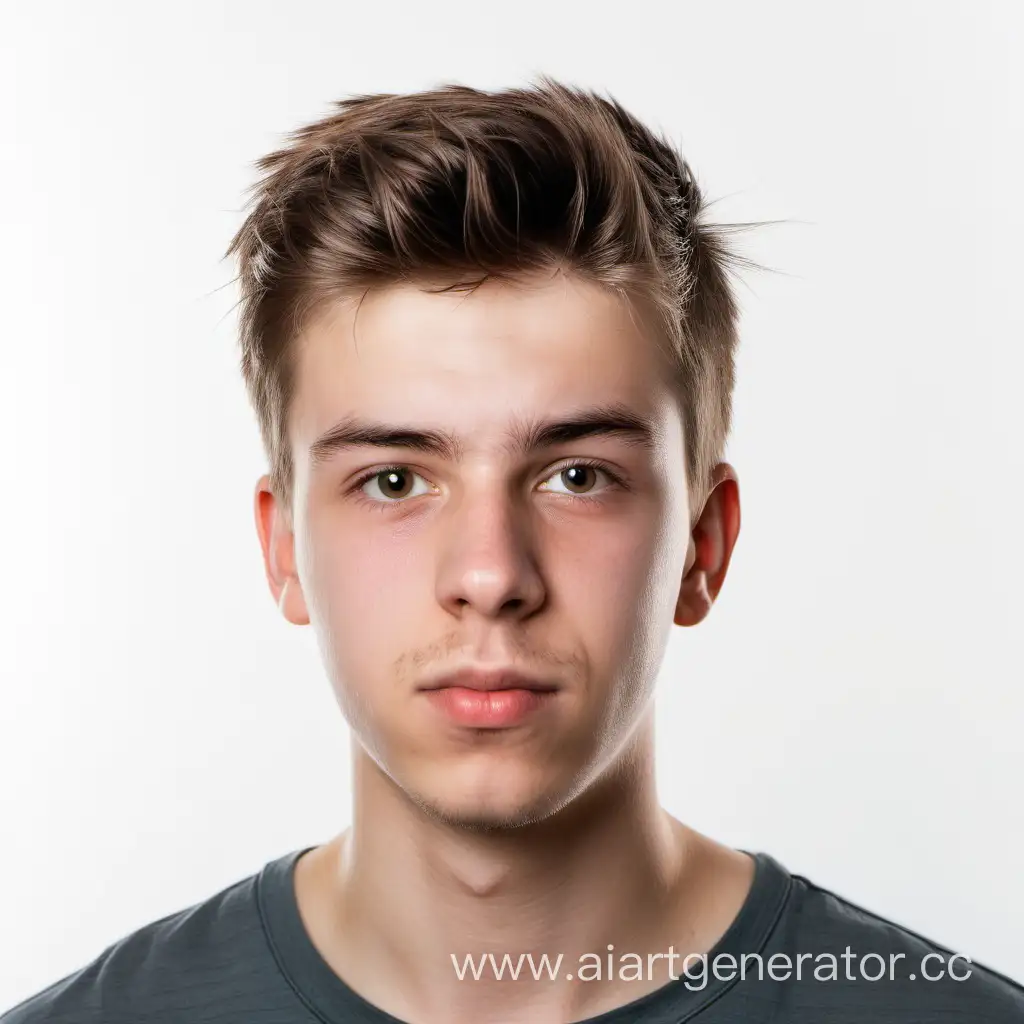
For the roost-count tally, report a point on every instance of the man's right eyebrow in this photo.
(358, 433)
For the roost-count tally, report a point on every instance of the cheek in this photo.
(613, 566)
(360, 597)
(614, 587)
(356, 583)
(365, 600)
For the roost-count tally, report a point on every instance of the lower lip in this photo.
(488, 709)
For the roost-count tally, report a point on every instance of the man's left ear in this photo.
(710, 548)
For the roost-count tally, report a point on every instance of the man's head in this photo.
(490, 345)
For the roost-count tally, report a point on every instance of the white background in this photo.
(853, 705)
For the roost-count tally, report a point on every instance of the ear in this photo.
(277, 539)
(710, 548)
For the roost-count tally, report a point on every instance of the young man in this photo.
(490, 339)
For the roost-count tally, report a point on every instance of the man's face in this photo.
(562, 561)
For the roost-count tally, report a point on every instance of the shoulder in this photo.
(861, 965)
(164, 970)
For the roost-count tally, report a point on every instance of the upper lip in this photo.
(489, 679)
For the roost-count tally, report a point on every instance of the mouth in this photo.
(489, 699)
(490, 681)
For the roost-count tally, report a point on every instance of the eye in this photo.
(578, 478)
(393, 484)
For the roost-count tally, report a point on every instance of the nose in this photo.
(488, 559)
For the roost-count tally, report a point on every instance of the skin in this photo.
(503, 840)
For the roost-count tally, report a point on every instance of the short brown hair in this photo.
(459, 183)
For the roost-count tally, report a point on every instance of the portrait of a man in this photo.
(489, 338)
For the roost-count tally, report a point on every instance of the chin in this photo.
(495, 802)
(483, 818)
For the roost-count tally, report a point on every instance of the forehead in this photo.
(471, 359)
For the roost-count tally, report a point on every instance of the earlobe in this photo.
(690, 605)
(710, 548)
(278, 546)
(694, 600)
(292, 603)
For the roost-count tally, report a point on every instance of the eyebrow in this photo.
(523, 438)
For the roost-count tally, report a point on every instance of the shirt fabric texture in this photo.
(243, 956)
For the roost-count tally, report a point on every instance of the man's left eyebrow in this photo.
(524, 437)
(601, 421)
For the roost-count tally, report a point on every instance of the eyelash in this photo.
(357, 486)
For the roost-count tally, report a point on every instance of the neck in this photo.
(400, 892)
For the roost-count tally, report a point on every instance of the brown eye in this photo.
(393, 484)
(577, 478)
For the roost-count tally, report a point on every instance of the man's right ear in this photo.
(278, 543)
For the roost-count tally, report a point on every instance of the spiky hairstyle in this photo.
(460, 184)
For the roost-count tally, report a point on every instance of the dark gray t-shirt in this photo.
(244, 957)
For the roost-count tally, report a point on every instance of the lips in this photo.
(490, 680)
(489, 698)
